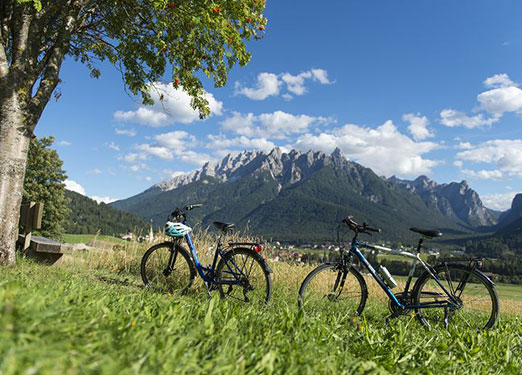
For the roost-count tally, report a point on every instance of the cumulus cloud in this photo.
(278, 124)
(64, 143)
(498, 80)
(504, 154)
(169, 146)
(483, 174)
(74, 186)
(220, 142)
(453, 118)
(503, 96)
(129, 132)
(418, 127)
(269, 84)
(499, 202)
(384, 149)
(171, 106)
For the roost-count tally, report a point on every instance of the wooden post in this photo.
(30, 219)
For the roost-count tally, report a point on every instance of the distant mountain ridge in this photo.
(89, 217)
(454, 200)
(300, 196)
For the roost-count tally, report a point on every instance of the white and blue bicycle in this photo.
(453, 292)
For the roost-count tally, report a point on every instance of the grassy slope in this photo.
(86, 320)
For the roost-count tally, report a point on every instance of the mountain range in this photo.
(296, 196)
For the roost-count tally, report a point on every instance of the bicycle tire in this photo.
(478, 298)
(154, 268)
(256, 283)
(318, 292)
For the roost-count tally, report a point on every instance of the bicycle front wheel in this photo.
(475, 294)
(167, 268)
(333, 287)
(243, 275)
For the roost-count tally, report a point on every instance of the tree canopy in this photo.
(142, 38)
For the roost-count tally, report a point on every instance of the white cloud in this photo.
(504, 96)
(64, 143)
(453, 118)
(158, 151)
(95, 171)
(220, 142)
(175, 140)
(321, 75)
(384, 149)
(106, 200)
(418, 126)
(170, 106)
(74, 186)
(194, 158)
(498, 80)
(483, 174)
(464, 146)
(132, 157)
(113, 146)
(129, 132)
(505, 154)
(267, 85)
(499, 202)
(138, 167)
(278, 124)
(500, 100)
(458, 163)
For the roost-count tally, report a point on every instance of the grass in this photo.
(86, 238)
(91, 316)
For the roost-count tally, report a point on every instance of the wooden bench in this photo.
(39, 248)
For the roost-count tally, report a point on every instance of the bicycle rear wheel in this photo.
(247, 276)
(333, 287)
(475, 293)
(167, 268)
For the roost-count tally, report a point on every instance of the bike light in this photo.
(257, 248)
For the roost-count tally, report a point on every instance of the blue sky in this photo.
(403, 87)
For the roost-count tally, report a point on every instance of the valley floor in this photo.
(90, 315)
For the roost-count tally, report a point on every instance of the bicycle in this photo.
(450, 292)
(241, 272)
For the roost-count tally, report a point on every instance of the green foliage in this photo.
(43, 183)
(89, 217)
(144, 38)
(84, 322)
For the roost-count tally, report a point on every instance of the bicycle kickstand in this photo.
(394, 315)
(208, 290)
(446, 317)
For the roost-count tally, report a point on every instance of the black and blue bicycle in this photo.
(453, 292)
(237, 270)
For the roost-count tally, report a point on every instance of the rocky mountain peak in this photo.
(455, 199)
(516, 205)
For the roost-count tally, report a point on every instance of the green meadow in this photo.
(90, 315)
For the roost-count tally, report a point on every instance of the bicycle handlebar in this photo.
(358, 228)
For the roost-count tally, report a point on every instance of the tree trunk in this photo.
(14, 144)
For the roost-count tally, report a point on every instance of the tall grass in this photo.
(90, 315)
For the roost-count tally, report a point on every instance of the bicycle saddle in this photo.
(427, 232)
(224, 226)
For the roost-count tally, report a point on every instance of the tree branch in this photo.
(50, 77)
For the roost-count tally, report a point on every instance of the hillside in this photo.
(89, 217)
(291, 197)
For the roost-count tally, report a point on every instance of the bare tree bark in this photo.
(14, 144)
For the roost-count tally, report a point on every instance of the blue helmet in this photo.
(176, 229)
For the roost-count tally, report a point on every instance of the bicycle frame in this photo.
(354, 251)
(207, 273)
